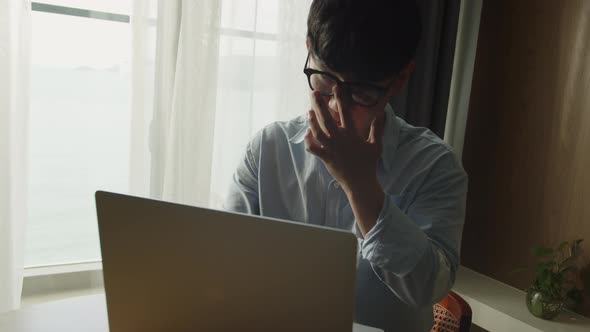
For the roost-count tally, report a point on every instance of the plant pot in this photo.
(541, 306)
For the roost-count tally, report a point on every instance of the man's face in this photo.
(362, 116)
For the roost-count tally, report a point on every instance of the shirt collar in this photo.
(390, 135)
(299, 135)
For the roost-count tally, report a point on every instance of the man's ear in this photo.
(402, 78)
(307, 44)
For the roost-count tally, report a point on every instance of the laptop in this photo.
(172, 267)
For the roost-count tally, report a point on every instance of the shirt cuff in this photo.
(395, 243)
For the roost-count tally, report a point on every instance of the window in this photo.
(79, 124)
(81, 113)
(246, 93)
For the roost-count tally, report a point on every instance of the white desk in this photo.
(84, 313)
(499, 307)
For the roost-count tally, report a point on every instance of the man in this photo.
(351, 164)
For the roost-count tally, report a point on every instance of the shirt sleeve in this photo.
(415, 252)
(243, 191)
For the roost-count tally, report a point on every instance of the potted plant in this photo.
(553, 286)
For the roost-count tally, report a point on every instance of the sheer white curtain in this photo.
(14, 104)
(207, 75)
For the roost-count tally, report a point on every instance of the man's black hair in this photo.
(371, 40)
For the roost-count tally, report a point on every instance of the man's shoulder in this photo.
(282, 131)
(278, 135)
(422, 143)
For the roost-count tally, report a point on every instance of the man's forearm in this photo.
(366, 200)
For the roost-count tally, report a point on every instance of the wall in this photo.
(527, 142)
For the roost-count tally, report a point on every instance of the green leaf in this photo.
(568, 269)
(544, 277)
(544, 266)
(540, 250)
(575, 247)
(566, 262)
(563, 245)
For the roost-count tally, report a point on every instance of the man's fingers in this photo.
(377, 128)
(313, 147)
(323, 114)
(316, 130)
(343, 101)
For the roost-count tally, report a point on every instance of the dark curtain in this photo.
(423, 101)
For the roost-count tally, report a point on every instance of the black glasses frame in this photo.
(347, 85)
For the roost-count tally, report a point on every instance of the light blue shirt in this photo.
(407, 262)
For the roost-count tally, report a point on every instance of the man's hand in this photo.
(351, 159)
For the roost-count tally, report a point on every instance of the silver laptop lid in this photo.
(171, 267)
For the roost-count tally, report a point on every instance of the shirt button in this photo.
(336, 185)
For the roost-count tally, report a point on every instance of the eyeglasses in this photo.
(363, 94)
